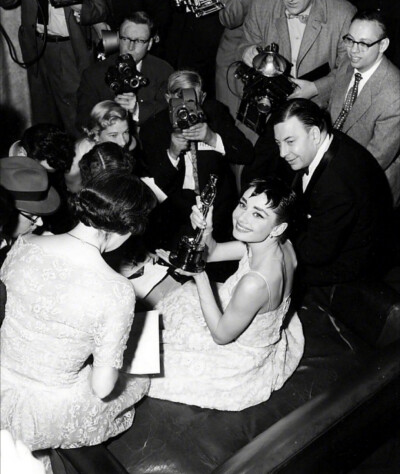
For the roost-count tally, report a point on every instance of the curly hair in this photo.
(47, 142)
(105, 156)
(103, 115)
(281, 199)
(114, 201)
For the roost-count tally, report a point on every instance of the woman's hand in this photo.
(197, 218)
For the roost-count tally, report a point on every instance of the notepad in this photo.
(142, 355)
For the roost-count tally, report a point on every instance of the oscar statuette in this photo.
(189, 256)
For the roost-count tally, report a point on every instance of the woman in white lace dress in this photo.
(232, 350)
(68, 317)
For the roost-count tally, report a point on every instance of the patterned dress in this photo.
(245, 372)
(57, 316)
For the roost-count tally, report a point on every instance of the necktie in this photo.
(348, 103)
(302, 18)
(193, 159)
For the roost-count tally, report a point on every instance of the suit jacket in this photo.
(322, 43)
(93, 11)
(232, 17)
(93, 88)
(374, 120)
(155, 136)
(343, 231)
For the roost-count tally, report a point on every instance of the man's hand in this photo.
(128, 101)
(178, 144)
(200, 132)
(305, 90)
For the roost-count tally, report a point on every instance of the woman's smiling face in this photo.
(252, 219)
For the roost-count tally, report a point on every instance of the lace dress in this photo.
(57, 315)
(243, 373)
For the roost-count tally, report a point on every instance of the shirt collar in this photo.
(367, 74)
(320, 153)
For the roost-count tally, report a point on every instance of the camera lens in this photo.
(134, 82)
(182, 114)
(193, 118)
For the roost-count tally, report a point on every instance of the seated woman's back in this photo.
(58, 310)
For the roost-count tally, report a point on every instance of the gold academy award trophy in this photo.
(189, 256)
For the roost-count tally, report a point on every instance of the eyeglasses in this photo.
(134, 42)
(363, 47)
(30, 217)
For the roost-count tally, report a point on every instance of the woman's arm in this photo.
(249, 296)
(103, 380)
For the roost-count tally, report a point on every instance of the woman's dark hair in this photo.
(105, 156)
(114, 201)
(281, 199)
(306, 111)
(47, 142)
(8, 214)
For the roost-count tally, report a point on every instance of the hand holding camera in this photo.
(128, 101)
(178, 144)
(200, 132)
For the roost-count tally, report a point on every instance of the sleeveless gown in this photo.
(243, 373)
(57, 315)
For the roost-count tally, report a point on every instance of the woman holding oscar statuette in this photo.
(231, 349)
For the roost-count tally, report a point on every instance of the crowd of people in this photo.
(102, 187)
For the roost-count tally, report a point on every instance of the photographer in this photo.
(181, 156)
(65, 40)
(136, 37)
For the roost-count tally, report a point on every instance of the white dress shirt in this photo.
(316, 161)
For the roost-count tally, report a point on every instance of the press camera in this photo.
(124, 76)
(266, 86)
(200, 7)
(185, 111)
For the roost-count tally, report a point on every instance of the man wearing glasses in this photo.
(373, 119)
(136, 37)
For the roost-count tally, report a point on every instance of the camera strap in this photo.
(193, 159)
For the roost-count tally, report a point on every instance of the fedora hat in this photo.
(28, 183)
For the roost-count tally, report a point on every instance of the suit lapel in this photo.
(284, 39)
(326, 159)
(339, 95)
(312, 30)
(364, 100)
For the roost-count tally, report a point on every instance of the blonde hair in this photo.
(103, 115)
(184, 79)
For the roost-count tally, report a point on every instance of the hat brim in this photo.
(41, 208)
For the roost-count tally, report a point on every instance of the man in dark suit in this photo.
(346, 205)
(136, 38)
(169, 157)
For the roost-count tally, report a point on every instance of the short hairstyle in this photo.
(281, 198)
(8, 213)
(184, 79)
(105, 156)
(142, 18)
(306, 111)
(103, 115)
(114, 201)
(372, 15)
(47, 142)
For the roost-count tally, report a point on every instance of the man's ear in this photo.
(384, 44)
(278, 230)
(316, 134)
(203, 96)
(167, 97)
